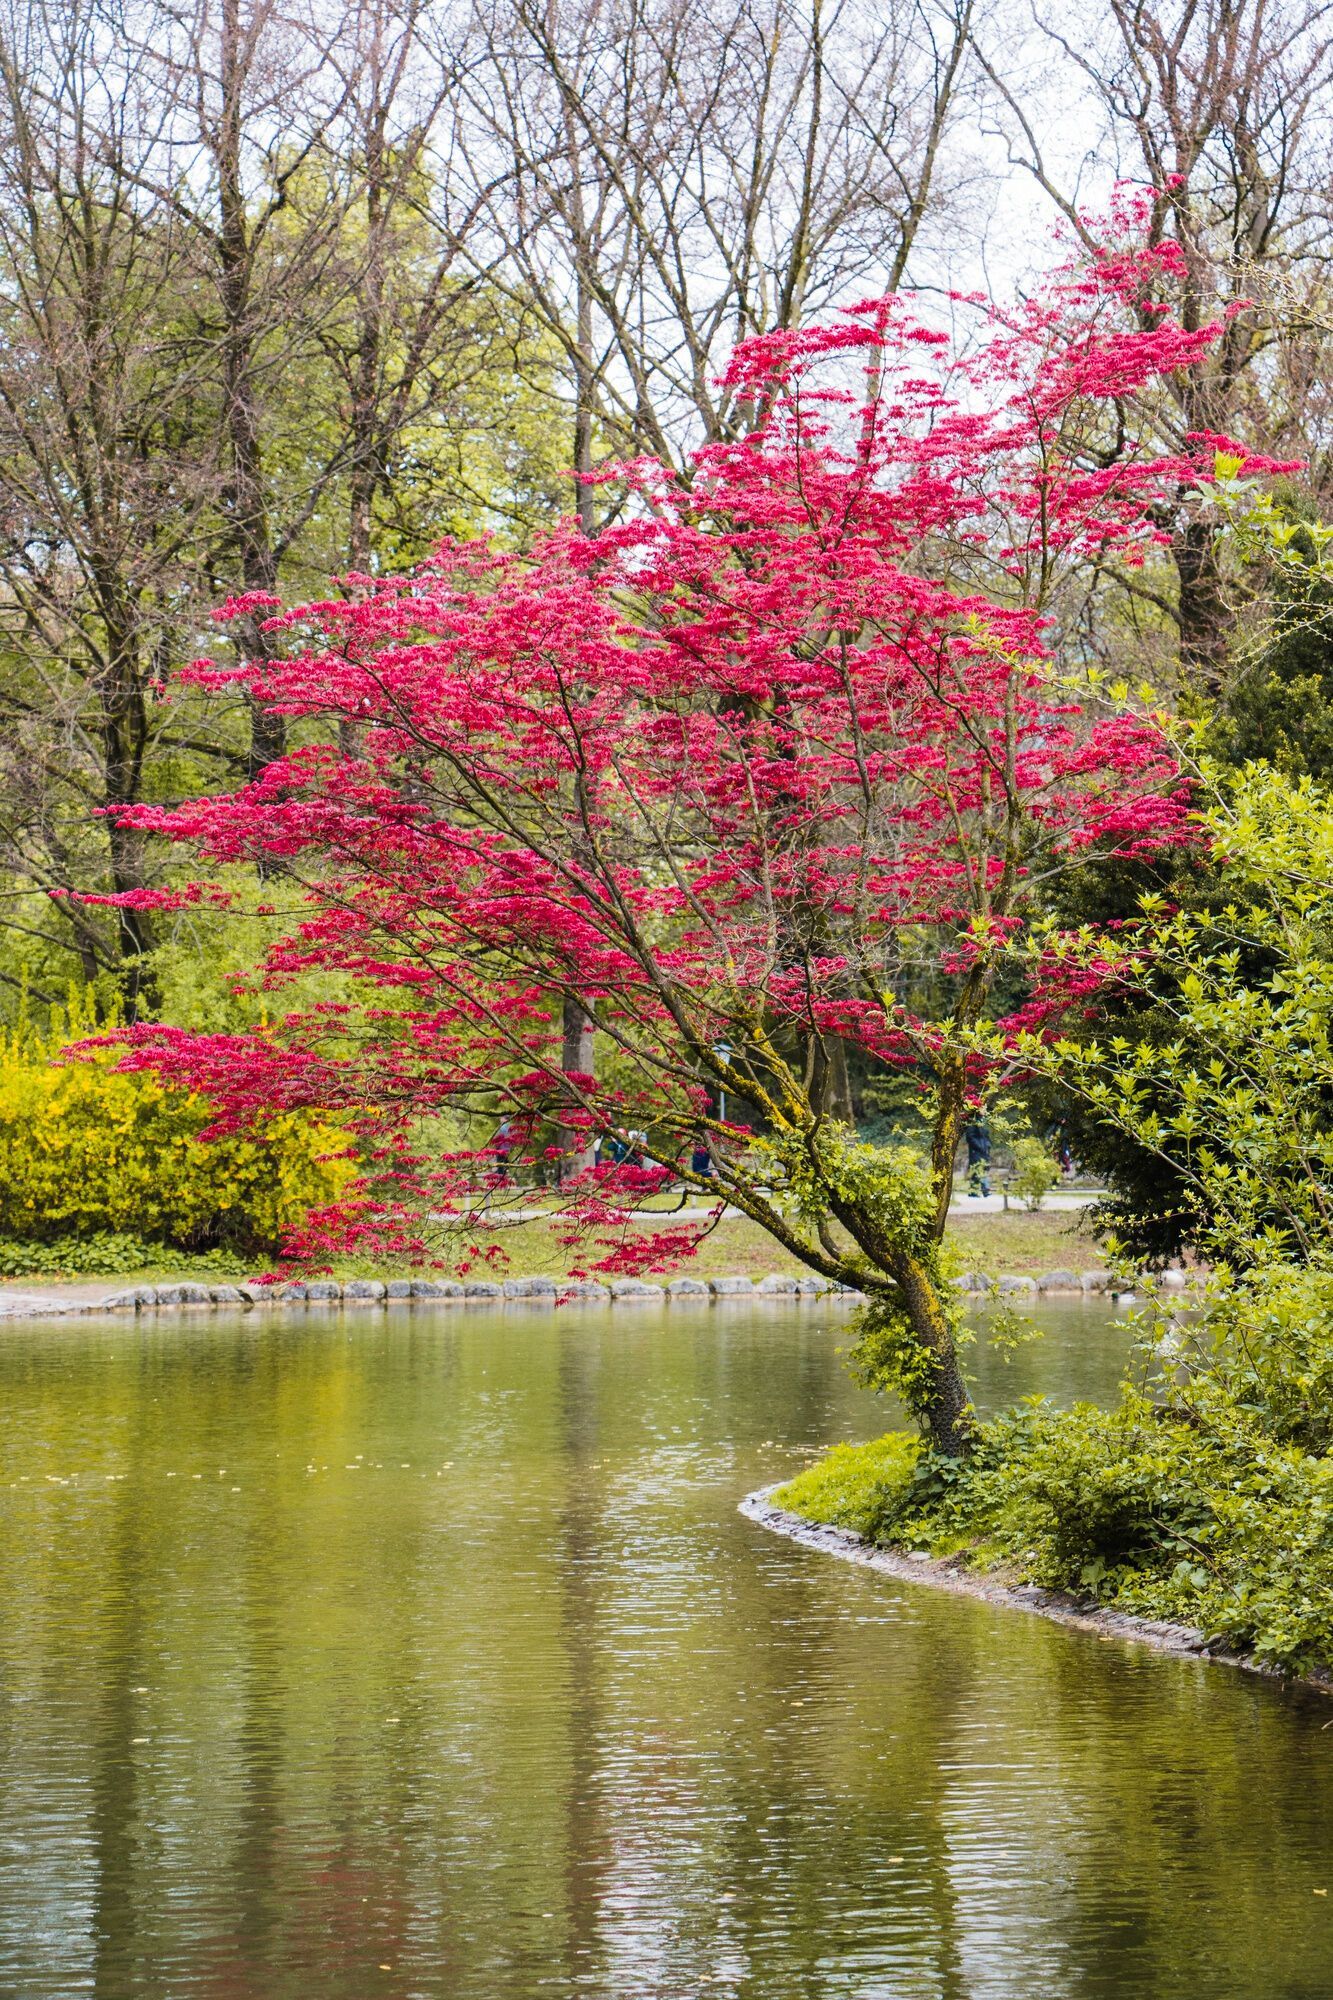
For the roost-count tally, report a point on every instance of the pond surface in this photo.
(426, 1655)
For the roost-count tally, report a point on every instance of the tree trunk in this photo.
(124, 728)
(583, 407)
(949, 1120)
(1205, 618)
(578, 1055)
(576, 1059)
(944, 1406)
(841, 1100)
(135, 936)
(247, 499)
(364, 478)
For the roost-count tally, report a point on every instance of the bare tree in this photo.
(107, 469)
(302, 158)
(658, 179)
(227, 303)
(246, 166)
(392, 348)
(1223, 110)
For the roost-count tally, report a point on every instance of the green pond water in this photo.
(425, 1654)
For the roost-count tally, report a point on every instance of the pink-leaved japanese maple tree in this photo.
(744, 777)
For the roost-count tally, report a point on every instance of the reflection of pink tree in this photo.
(762, 774)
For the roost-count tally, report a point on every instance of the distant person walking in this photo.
(976, 1137)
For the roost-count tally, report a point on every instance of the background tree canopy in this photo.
(291, 293)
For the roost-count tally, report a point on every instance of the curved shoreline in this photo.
(1184, 1641)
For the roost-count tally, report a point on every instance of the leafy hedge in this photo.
(87, 1152)
(109, 1253)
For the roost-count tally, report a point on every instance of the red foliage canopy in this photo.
(775, 764)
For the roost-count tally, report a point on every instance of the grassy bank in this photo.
(1133, 1510)
(1022, 1245)
(1016, 1244)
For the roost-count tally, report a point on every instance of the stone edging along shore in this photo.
(393, 1291)
(946, 1574)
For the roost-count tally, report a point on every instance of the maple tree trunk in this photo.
(946, 1407)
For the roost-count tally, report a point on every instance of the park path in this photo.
(1064, 1202)
(37, 1299)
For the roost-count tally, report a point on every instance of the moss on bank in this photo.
(1131, 1509)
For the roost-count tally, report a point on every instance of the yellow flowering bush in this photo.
(84, 1149)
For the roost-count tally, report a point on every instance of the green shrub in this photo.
(1093, 1494)
(1035, 1173)
(107, 1254)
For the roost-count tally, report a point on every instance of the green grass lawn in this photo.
(1017, 1243)
(1023, 1245)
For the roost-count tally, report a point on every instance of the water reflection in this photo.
(427, 1656)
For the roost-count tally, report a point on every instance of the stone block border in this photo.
(451, 1291)
(551, 1291)
(1053, 1284)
